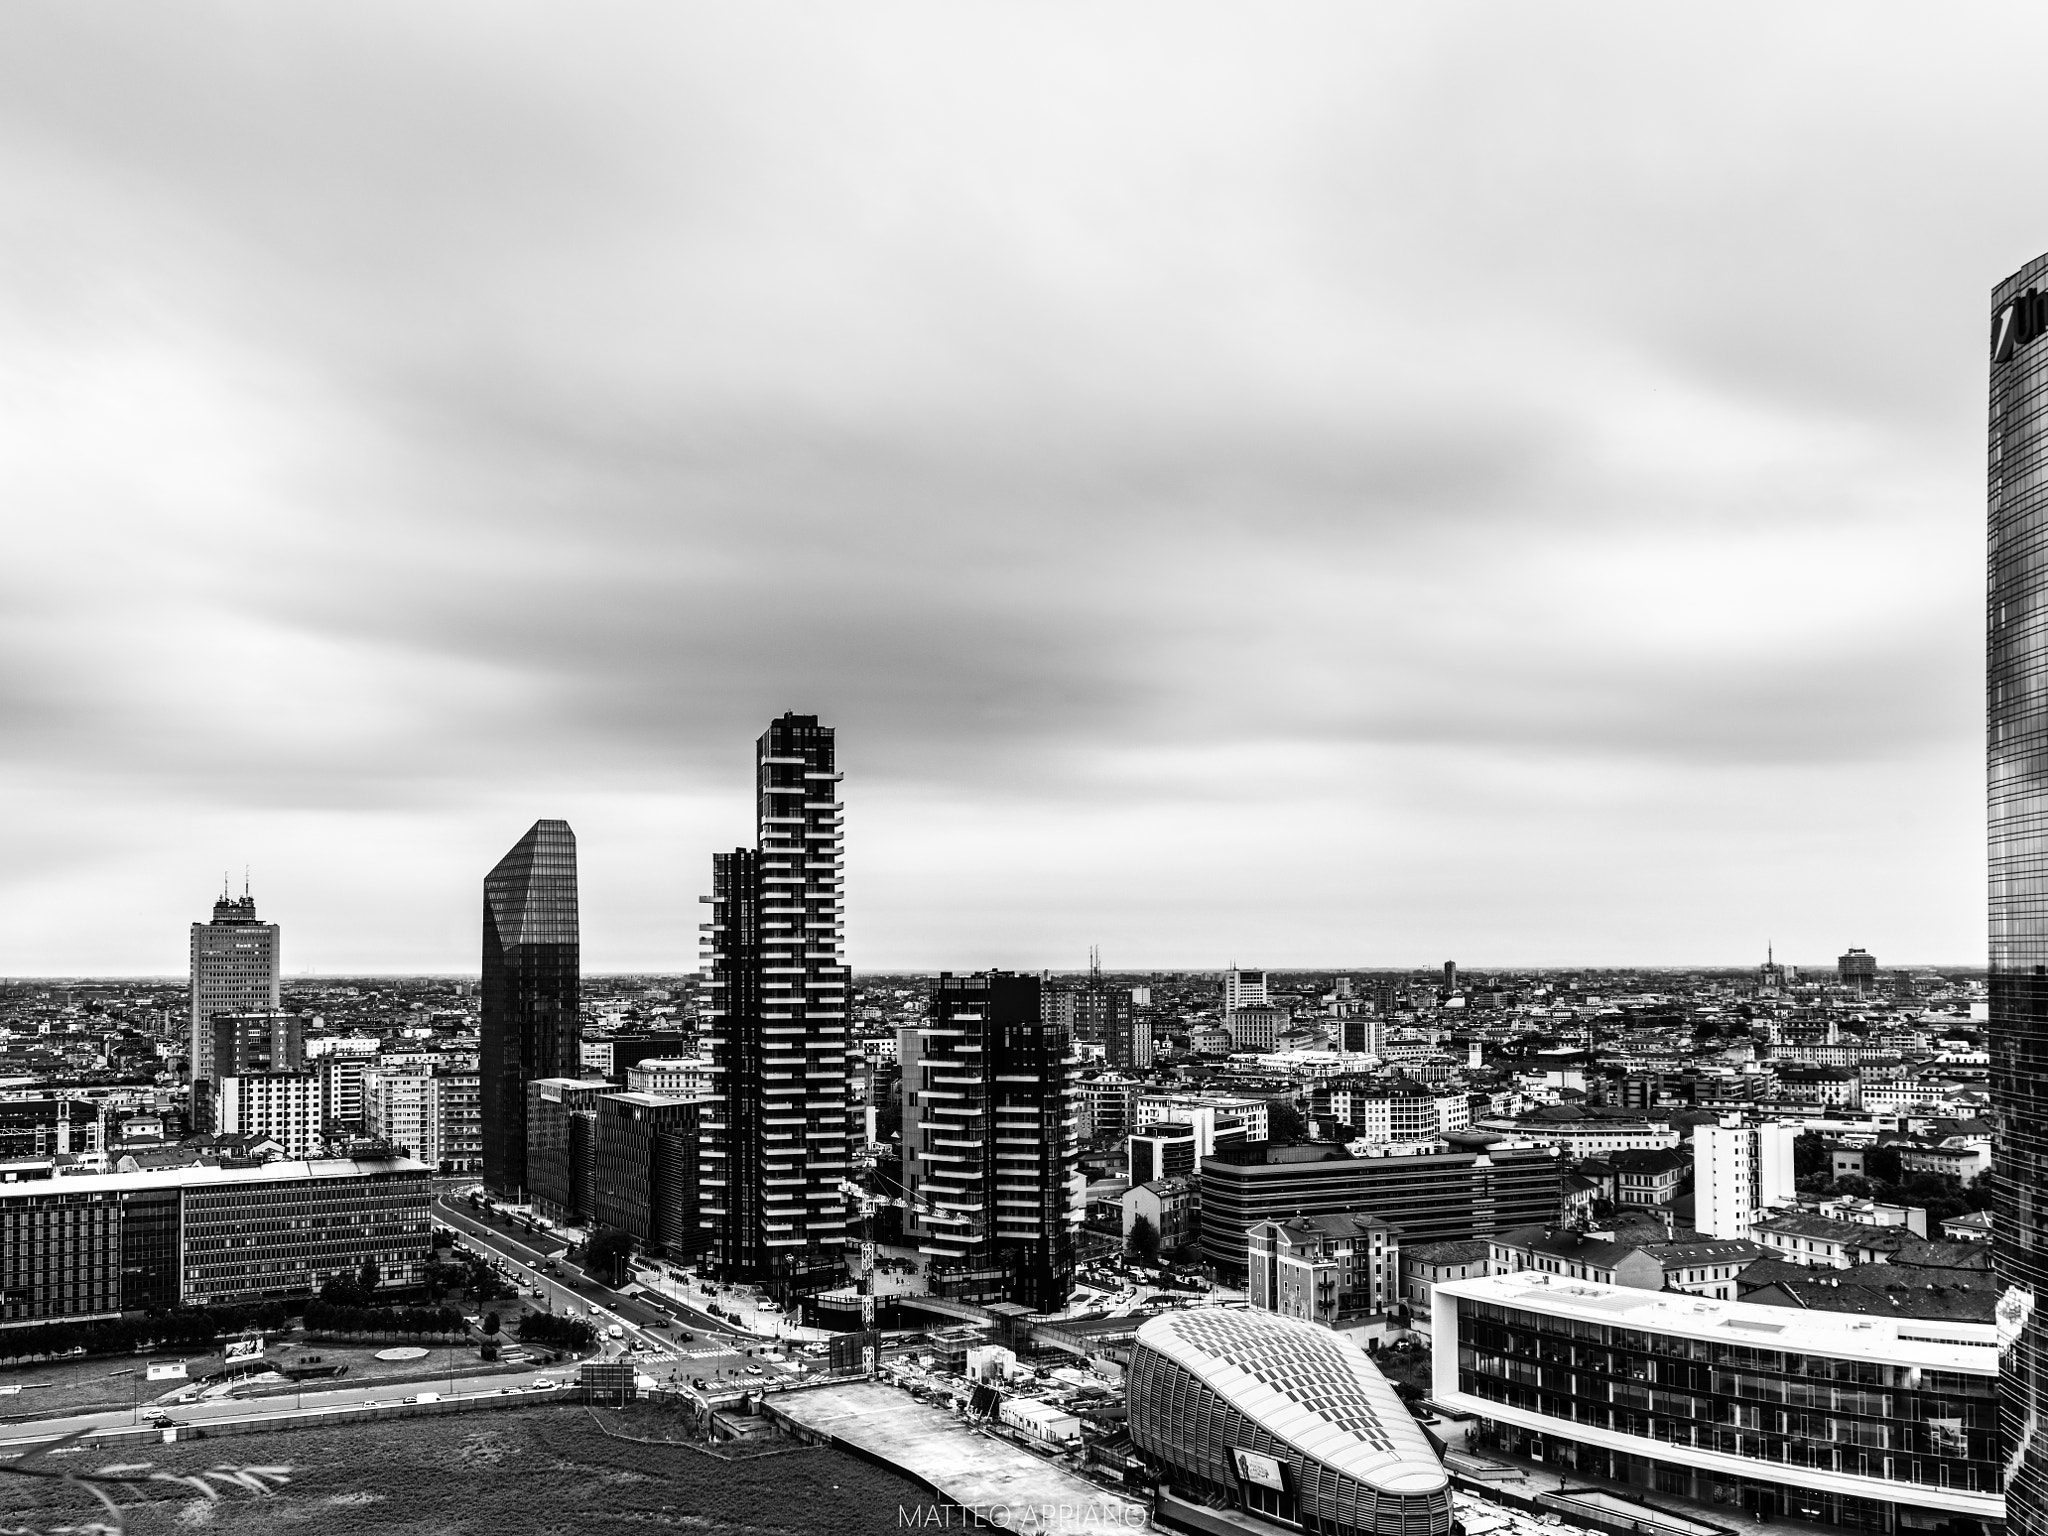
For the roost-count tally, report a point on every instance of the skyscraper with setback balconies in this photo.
(774, 1128)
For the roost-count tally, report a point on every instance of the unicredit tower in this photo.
(2017, 747)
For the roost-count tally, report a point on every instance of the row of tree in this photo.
(184, 1328)
(412, 1322)
(571, 1333)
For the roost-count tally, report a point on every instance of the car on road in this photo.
(424, 1397)
(615, 1332)
(542, 1384)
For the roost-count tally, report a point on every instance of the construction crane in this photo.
(870, 1202)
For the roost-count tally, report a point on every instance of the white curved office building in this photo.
(1284, 1420)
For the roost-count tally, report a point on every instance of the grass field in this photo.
(537, 1470)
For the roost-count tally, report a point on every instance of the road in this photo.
(287, 1405)
(717, 1350)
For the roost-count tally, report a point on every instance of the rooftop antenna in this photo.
(245, 882)
(1095, 964)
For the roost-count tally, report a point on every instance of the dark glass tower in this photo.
(532, 968)
(774, 1126)
(2017, 750)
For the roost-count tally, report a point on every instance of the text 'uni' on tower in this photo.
(532, 970)
(774, 1137)
(2016, 636)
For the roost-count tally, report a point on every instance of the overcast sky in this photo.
(1302, 486)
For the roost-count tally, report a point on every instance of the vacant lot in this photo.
(533, 1470)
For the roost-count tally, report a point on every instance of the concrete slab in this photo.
(991, 1479)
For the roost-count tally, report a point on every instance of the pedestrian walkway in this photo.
(995, 1482)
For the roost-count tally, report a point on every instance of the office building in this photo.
(1364, 1033)
(673, 1077)
(559, 1117)
(1108, 1015)
(2016, 680)
(267, 1040)
(1432, 1197)
(236, 968)
(1168, 1150)
(1284, 1425)
(603, 1158)
(1335, 1271)
(96, 1245)
(1256, 1026)
(532, 972)
(618, 1055)
(1382, 1112)
(989, 1145)
(1857, 970)
(1243, 989)
(643, 1157)
(47, 1125)
(1739, 1172)
(284, 1106)
(1833, 1419)
(1214, 1116)
(775, 1127)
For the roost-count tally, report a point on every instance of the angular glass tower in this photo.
(774, 1127)
(531, 975)
(2017, 752)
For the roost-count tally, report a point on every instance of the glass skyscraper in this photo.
(2017, 750)
(531, 975)
(774, 1127)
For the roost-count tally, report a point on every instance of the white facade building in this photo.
(673, 1077)
(282, 1105)
(1739, 1172)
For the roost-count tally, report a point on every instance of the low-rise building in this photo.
(96, 1245)
(1337, 1271)
(1648, 1177)
(1172, 1205)
(1425, 1265)
(1865, 1423)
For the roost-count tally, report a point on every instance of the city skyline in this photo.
(1317, 489)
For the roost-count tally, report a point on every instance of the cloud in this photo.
(1219, 432)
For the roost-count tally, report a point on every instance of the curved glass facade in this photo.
(1220, 1400)
(2017, 758)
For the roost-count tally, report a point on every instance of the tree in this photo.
(492, 1324)
(607, 1252)
(1143, 1240)
(1810, 1155)
(1283, 1121)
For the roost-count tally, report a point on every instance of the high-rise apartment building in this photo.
(989, 1146)
(282, 1105)
(236, 968)
(532, 971)
(774, 1127)
(398, 1105)
(1739, 1172)
(455, 1122)
(2017, 746)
